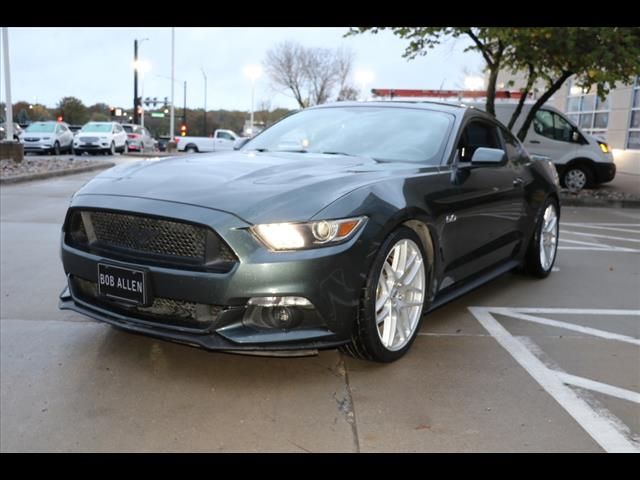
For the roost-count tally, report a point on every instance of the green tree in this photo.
(73, 111)
(40, 113)
(23, 117)
(596, 56)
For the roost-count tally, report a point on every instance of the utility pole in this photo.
(172, 124)
(7, 85)
(135, 81)
(205, 102)
(184, 112)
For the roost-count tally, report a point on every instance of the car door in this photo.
(552, 136)
(224, 141)
(483, 205)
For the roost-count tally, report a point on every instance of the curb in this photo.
(55, 173)
(598, 202)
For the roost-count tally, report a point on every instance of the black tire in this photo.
(533, 264)
(56, 148)
(577, 173)
(112, 149)
(191, 149)
(365, 342)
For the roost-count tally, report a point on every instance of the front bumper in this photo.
(604, 172)
(328, 277)
(38, 146)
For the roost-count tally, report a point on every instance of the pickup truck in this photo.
(221, 140)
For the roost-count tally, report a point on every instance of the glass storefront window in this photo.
(601, 120)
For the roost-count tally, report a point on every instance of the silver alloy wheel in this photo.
(575, 179)
(400, 295)
(548, 237)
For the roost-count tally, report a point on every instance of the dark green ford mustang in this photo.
(339, 226)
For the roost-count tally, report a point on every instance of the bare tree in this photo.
(312, 75)
(286, 67)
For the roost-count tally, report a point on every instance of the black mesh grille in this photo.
(139, 235)
(167, 311)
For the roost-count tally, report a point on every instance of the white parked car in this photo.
(47, 137)
(105, 137)
(221, 140)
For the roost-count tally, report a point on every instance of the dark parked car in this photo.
(162, 143)
(339, 226)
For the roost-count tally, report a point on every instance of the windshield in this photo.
(128, 128)
(97, 127)
(382, 133)
(41, 127)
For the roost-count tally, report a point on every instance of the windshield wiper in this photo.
(340, 153)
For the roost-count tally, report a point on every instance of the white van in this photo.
(581, 159)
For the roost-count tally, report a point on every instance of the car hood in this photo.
(256, 187)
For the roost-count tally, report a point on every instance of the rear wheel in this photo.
(392, 301)
(191, 149)
(544, 246)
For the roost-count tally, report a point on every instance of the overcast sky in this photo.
(95, 64)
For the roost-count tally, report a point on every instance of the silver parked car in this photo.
(17, 130)
(47, 137)
(139, 139)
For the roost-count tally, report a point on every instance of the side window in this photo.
(562, 129)
(477, 134)
(225, 136)
(552, 125)
(515, 151)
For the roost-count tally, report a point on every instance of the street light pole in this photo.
(172, 125)
(184, 111)
(7, 83)
(205, 102)
(253, 91)
(135, 81)
(253, 72)
(136, 66)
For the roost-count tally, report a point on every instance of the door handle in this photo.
(518, 182)
(534, 141)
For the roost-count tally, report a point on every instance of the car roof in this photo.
(424, 105)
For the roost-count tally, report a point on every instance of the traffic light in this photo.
(183, 130)
(60, 118)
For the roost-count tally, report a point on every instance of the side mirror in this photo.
(575, 136)
(239, 143)
(488, 155)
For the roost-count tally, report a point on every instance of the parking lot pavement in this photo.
(517, 365)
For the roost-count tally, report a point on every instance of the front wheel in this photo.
(56, 148)
(392, 301)
(544, 246)
(577, 177)
(112, 149)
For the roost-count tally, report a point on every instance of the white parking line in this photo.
(594, 246)
(599, 224)
(617, 392)
(608, 237)
(567, 326)
(599, 424)
(600, 227)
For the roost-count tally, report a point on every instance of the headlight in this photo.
(604, 147)
(299, 236)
